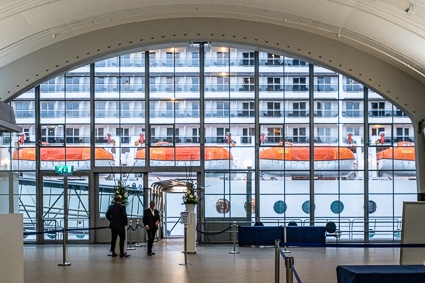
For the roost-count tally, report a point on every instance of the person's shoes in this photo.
(124, 255)
(114, 255)
(153, 253)
(150, 254)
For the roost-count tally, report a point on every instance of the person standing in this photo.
(117, 216)
(151, 222)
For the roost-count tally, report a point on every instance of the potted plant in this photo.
(121, 192)
(190, 198)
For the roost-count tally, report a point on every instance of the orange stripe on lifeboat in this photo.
(403, 151)
(302, 153)
(185, 153)
(61, 154)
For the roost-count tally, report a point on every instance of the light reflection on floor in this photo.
(211, 263)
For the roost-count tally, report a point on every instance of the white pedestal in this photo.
(191, 234)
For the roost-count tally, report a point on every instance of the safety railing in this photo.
(348, 228)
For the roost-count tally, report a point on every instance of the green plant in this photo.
(190, 194)
(121, 192)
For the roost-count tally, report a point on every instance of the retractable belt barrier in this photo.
(291, 272)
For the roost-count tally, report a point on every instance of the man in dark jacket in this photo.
(151, 222)
(117, 217)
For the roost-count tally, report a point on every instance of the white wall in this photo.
(11, 247)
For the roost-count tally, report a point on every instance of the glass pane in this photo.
(55, 217)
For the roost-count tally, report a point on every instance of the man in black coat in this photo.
(151, 222)
(117, 217)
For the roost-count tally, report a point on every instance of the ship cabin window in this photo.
(299, 84)
(299, 135)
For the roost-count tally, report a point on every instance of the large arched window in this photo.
(283, 140)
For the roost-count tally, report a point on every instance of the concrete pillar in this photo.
(420, 159)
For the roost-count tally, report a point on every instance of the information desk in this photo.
(266, 236)
(380, 273)
(305, 234)
(259, 235)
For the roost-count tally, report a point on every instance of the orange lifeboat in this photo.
(290, 160)
(403, 151)
(24, 157)
(399, 159)
(215, 157)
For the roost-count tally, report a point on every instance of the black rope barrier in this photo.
(26, 233)
(296, 274)
(130, 227)
(213, 233)
(287, 244)
(290, 265)
(62, 230)
(83, 229)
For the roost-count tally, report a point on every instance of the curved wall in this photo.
(392, 82)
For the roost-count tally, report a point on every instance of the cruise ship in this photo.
(268, 129)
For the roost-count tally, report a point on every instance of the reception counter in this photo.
(266, 236)
(259, 235)
(305, 234)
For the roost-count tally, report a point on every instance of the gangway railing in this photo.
(348, 228)
(175, 223)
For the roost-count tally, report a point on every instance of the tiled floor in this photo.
(211, 263)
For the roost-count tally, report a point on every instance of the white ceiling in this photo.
(379, 42)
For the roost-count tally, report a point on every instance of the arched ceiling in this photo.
(378, 42)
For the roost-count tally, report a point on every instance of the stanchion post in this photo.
(234, 251)
(284, 239)
(276, 261)
(65, 222)
(289, 262)
(137, 233)
(185, 246)
(130, 247)
(64, 262)
(185, 243)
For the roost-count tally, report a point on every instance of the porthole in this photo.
(306, 207)
(280, 207)
(371, 207)
(222, 206)
(252, 206)
(337, 207)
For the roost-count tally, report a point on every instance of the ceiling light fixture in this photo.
(411, 10)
